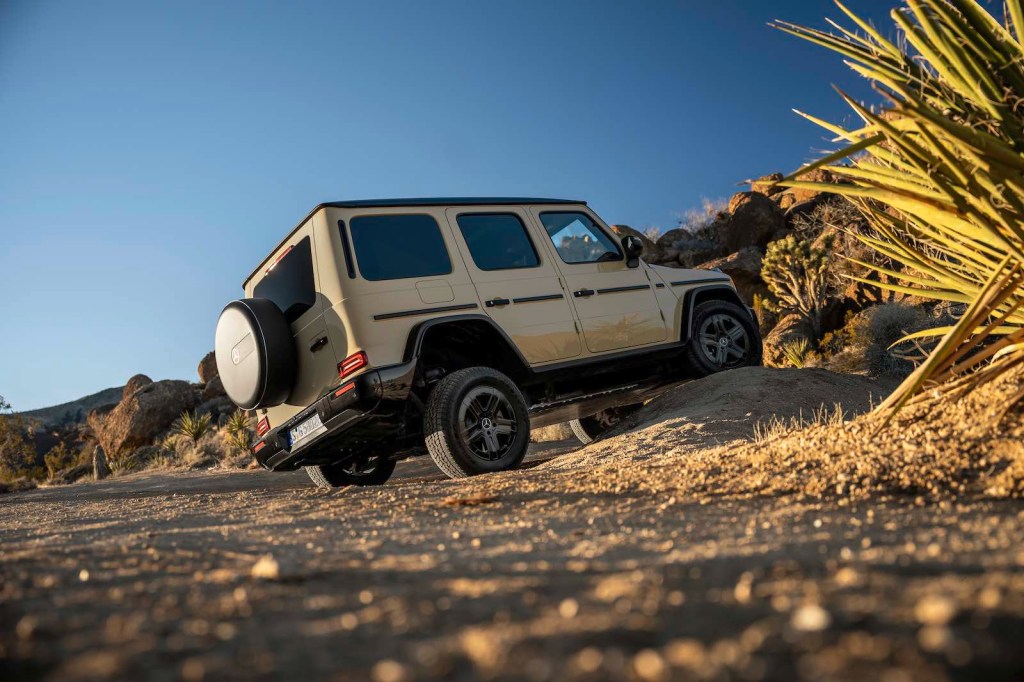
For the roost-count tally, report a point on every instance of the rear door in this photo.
(615, 304)
(516, 281)
(290, 282)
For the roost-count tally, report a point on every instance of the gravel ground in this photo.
(589, 564)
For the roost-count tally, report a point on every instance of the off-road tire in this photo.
(335, 476)
(589, 429)
(443, 430)
(696, 358)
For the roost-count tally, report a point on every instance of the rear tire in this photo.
(723, 336)
(372, 470)
(589, 429)
(476, 422)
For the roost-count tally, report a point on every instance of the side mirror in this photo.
(632, 247)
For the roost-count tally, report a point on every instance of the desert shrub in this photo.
(797, 352)
(776, 427)
(192, 425)
(871, 342)
(700, 221)
(798, 278)
(59, 458)
(238, 431)
(18, 457)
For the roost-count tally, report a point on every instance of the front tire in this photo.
(368, 470)
(476, 422)
(723, 336)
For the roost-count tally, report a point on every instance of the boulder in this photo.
(142, 416)
(744, 267)
(100, 468)
(134, 384)
(766, 185)
(652, 253)
(819, 175)
(785, 199)
(218, 408)
(214, 388)
(673, 237)
(791, 328)
(71, 474)
(207, 368)
(754, 219)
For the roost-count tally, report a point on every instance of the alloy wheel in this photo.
(724, 341)
(488, 423)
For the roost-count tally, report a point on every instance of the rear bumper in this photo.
(363, 409)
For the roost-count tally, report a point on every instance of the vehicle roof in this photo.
(412, 202)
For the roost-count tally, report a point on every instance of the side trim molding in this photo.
(534, 299)
(706, 280)
(617, 290)
(425, 311)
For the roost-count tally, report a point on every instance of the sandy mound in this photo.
(694, 443)
(728, 406)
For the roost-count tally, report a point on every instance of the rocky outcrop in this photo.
(143, 415)
(134, 384)
(754, 219)
(214, 388)
(744, 267)
(791, 328)
(207, 368)
(766, 185)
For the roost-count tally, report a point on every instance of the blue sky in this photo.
(152, 153)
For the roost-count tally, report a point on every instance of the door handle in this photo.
(318, 344)
(496, 302)
(583, 292)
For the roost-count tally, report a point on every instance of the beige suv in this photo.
(378, 330)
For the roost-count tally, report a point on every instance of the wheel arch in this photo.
(694, 297)
(474, 338)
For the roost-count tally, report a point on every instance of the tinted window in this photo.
(290, 282)
(577, 239)
(399, 246)
(497, 241)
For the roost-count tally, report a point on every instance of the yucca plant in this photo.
(796, 352)
(939, 175)
(192, 425)
(239, 431)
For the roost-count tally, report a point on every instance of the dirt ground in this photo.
(588, 564)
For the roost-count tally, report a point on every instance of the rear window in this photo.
(289, 284)
(399, 247)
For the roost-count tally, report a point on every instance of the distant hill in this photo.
(76, 410)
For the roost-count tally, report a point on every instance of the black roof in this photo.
(422, 201)
(446, 201)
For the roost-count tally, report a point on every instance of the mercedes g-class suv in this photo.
(378, 330)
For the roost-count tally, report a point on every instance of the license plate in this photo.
(307, 429)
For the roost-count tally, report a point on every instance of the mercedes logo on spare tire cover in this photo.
(255, 353)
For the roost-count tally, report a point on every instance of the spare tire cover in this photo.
(255, 353)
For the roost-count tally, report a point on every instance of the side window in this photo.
(578, 240)
(289, 282)
(497, 241)
(399, 247)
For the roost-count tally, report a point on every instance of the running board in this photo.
(543, 407)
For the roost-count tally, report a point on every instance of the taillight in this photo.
(259, 446)
(345, 389)
(262, 426)
(352, 364)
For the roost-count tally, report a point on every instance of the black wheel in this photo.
(476, 422)
(364, 470)
(589, 429)
(724, 336)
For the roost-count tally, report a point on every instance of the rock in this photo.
(134, 384)
(790, 328)
(652, 253)
(214, 388)
(683, 247)
(754, 219)
(142, 416)
(217, 408)
(672, 237)
(71, 474)
(784, 199)
(766, 185)
(207, 368)
(819, 175)
(100, 468)
(744, 267)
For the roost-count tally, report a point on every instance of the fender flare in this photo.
(688, 305)
(414, 344)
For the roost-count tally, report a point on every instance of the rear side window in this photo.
(289, 284)
(497, 241)
(399, 247)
